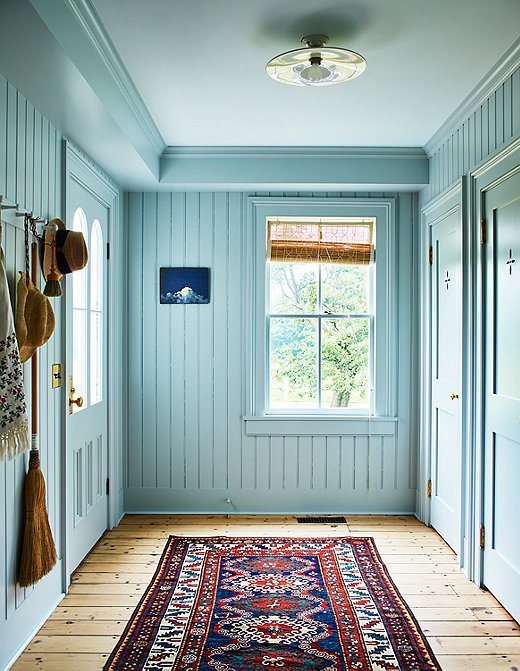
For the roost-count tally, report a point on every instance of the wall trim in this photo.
(300, 152)
(276, 501)
(304, 425)
(286, 168)
(494, 78)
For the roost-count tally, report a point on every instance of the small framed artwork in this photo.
(184, 286)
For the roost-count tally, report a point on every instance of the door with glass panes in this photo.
(86, 425)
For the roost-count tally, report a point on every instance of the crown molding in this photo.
(81, 34)
(494, 78)
(235, 152)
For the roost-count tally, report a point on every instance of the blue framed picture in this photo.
(184, 286)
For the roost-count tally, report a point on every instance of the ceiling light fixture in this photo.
(316, 65)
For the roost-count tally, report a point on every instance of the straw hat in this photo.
(34, 318)
(48, 250)
(70, 249)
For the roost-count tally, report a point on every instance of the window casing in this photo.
(383, 338)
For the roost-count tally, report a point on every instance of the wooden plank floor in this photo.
(466, 627)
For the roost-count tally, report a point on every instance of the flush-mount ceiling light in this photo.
(316, 65)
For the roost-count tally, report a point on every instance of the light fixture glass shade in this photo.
(316, 65)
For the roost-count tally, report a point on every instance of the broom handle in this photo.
(34, 359)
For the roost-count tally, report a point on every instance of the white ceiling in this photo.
(199, 66)
(127, 80)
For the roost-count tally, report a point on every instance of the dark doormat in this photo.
(321, 520)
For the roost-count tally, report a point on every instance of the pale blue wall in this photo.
(187, 449)
(30, 174)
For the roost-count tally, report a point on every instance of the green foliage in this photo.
(345, 342)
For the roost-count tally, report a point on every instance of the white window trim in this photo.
(385, 336)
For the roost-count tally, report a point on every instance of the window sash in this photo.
(319, 356)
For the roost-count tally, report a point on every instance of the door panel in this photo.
(501, 574)
(86, 426)
(446, 434)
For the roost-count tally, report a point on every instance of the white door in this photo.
(86, 366)
(446, 361)
(501, 574)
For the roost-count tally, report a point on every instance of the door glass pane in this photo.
(79, 358)
(96, 314)
(293, 363)
(96, 267)
(96, 357)
(345, 363)
(79, 278)
(79, 319)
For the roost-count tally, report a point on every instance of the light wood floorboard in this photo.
(466, 627)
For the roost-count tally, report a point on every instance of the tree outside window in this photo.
(320, 314)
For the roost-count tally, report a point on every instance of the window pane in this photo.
(293, 288)
(79, 278)
(345, 289)
(293, 363)
(96, 357)
(345, 363)
(96, 267)
(79, 350)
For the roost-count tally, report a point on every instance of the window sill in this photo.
(312, 425)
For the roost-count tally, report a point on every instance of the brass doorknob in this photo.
(74, 401)
(454, 396)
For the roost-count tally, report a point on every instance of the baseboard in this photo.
(18, 630)
(275, 502)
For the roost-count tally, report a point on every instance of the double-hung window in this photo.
(322, 346)
(320, 314)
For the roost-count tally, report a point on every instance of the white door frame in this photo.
(491, 173)
(77, 166)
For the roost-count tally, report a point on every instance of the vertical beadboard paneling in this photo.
(221, 291)
(486, 130)
(31, 174)
(206, 369)
(134, 471)
(164, 361)
(236, 319)
(192, 347)
(176, 339)
(187, 445)
(150, 345)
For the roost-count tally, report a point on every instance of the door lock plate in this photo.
(56, 375)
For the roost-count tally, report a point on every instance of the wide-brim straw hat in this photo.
(48, 250)
(35, 319)
(64, 248)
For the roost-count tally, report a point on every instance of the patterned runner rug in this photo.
(231, 604)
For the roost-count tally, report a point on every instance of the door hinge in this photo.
(108, 251)
(483, 232)
(430, 256)
(429, 489)
(108, 487)
(482, 536)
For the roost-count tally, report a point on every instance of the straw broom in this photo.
(38, 549)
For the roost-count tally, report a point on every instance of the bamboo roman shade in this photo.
(316, 242)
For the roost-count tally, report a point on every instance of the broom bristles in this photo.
(38, 549)
(52, 288)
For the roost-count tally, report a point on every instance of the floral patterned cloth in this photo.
(14, 426)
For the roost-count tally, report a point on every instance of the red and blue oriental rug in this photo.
(236, 604)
